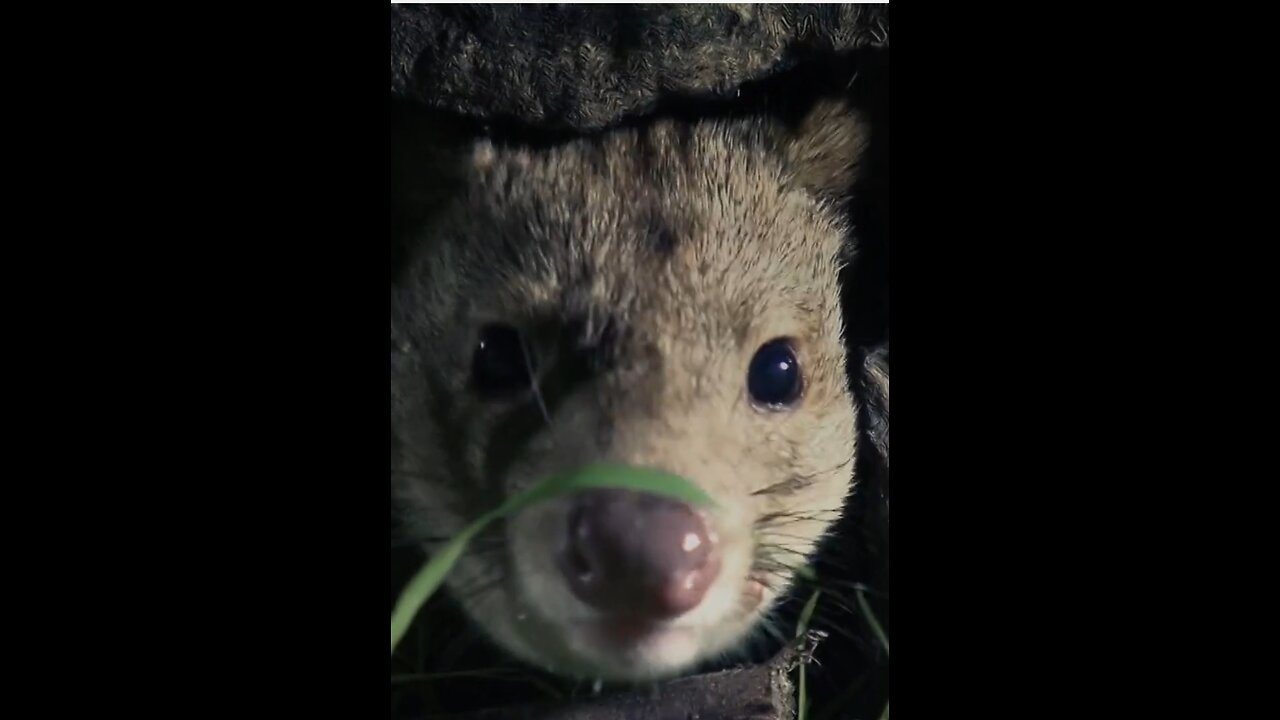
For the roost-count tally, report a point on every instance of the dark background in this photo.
(233, 488)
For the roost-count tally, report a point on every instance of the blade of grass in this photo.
(879, 631)
(428, 579)
(431, 576)
(871, 619)
(608, 476)
(807, 573)
(806, 614)
(801, 628)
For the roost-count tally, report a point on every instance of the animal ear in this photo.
(874, 387)
(825, 148)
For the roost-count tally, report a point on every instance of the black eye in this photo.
(774, 376)
(500, 364)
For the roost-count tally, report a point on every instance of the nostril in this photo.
(681, 593)
(577, 563)
(573, 559)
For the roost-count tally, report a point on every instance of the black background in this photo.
(240, 563)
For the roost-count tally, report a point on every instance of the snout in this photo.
(637, 556)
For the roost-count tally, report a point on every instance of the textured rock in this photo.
(583, 67)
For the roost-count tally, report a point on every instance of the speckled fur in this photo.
(875, 389)
(585, 67)
(672, 252)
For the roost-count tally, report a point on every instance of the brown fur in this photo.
(681, 249)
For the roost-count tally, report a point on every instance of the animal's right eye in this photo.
(500, 364)
(774, 379)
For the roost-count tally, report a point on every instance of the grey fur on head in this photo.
(642, 270)
(585, 67)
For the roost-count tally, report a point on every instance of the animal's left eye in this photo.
(774, 378)
(500, 365)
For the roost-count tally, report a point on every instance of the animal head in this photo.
(661, 297)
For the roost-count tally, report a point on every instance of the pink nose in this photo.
(637, 555)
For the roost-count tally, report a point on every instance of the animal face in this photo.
(663, 297)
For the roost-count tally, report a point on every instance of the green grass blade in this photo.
(609, 476)
(879, 631)
(871, 619)
(806, 572)
(432, 575)
(428, 579)
(806, 615)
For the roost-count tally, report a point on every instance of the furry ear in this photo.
(874, 387)
(825, 148)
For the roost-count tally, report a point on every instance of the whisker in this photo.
(769, 549)
(533, 380)
(769, 627)
(856, 587)
(787, 536)
(479, 586)
(798, 481)
(785, 517)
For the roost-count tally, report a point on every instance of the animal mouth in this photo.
(631, 644)
(754, 593)
(634, 648)
(617, 634)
